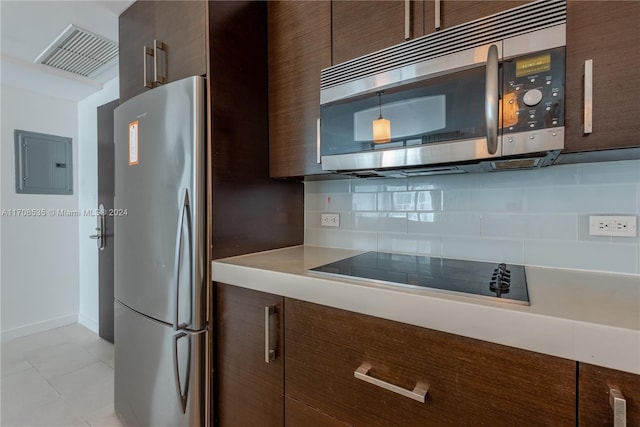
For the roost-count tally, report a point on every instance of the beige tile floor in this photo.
(62, 377)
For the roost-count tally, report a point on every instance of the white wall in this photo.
(39, 277)
(88, 314)
(533, 217)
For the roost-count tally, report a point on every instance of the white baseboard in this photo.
(33, 328)
(88, 322)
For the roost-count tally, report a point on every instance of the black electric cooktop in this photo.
(505, 282)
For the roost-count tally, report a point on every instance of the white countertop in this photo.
(586, 316)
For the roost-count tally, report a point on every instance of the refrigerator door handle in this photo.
(182, 394)
(185, 213)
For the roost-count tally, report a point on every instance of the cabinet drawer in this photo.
(469, 381)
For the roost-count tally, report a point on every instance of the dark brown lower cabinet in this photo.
(464, 381)
(595, 384)
(470, 382)
(250, 391)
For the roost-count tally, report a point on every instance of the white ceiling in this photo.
(29, 27)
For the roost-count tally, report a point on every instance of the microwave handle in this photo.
(491, 99)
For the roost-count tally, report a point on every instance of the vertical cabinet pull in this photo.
(407, 19)
(158, 77)
(154, 54)
(269, 343)
(318, 142)
(419, 393)
(437, 14)
(588, 97)
(147, 52)
(619, 406)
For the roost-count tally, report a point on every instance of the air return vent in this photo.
(80, 52)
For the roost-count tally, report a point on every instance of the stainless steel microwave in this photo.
(483, 96)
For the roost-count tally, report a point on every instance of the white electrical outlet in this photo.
(330, 220)
(613, 225)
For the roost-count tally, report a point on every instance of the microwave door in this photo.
(441, 120)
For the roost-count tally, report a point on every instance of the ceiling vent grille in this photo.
(80, 52)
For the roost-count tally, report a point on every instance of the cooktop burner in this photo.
(490, 280)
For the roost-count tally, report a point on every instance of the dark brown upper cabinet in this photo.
(605, 32)
(178, 29)
(299, 47)
(449, 13)
(362, 27)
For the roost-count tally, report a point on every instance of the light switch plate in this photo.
(613, 225)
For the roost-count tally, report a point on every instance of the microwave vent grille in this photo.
(513, 22)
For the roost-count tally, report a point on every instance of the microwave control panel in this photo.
(533, 91)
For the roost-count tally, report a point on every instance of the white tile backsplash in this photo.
(537, 217)
(622, 258)
(445, 223)
(611, 198)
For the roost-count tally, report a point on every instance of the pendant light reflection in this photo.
(381, 126)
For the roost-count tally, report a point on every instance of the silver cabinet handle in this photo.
(96, 236)
(269, 352)
(588, 97)
(619, 406)
(157, 77)
(419, 393)
(318, 142)
(407, 19)
(147, 51)
(437, 23)
(491, 99)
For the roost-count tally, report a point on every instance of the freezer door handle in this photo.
(182, 394)
(185, 215)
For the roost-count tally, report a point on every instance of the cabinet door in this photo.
(250, 391)
(470, 382)
(181, 26)
(362, 27)
(456, 12)
(299, 47)
(594, 386)
(606, 32)
(136, 30)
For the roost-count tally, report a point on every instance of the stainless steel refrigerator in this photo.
(160, 292)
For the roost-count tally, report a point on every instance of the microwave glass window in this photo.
(409, 117)
(429, 111)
